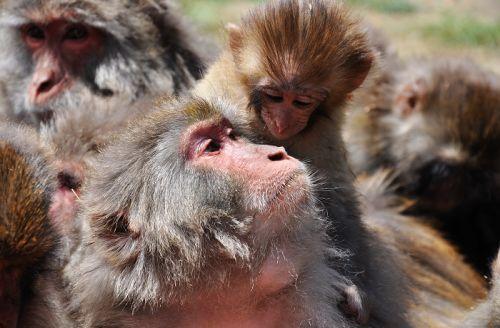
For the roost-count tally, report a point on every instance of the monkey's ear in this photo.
(409, 99)
(235, 36)
(359, 68)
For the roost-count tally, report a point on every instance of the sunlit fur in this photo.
(302, 44)
(252, 58)
(155, 231)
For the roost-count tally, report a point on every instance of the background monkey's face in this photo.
(445, 137)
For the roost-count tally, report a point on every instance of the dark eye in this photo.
(212, 146)
(232, 135)
(76, 32)
(35, 32)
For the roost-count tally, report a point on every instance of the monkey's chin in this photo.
(288, 198)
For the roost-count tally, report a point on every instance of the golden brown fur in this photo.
(27, 239)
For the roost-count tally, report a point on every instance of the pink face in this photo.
(59, 50)
(269, 175)
(286, 113)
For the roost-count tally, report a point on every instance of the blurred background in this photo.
(467, 28)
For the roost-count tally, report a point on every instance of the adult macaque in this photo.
(441, 132)
(185, 223)
(56, 54)
(290, 67)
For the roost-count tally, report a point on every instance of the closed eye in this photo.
(301, 104)
(274, 98)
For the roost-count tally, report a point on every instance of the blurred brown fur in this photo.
(443, 286)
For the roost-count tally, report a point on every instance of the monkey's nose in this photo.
(281, 125)
(46, 83)
(279, 155)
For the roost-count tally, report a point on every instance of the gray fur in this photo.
(138, 259)
(149, 50)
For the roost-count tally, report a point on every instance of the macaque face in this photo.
(445, 154)
(272, 181)
(60, 50)
(286, 112)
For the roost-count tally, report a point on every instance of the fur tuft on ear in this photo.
(361, 67)
(235, 37)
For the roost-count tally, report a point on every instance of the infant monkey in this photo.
(233, 234)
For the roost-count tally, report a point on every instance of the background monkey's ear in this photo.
(235, 36)
(410, 97)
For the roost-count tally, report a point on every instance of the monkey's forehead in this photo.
(119, 17)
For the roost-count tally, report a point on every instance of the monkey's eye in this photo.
(273, 95)
(231, 134)
(76, 33)
(210, 146)
(35, 32)
(301, 104)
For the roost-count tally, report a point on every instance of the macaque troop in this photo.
(301, 176)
